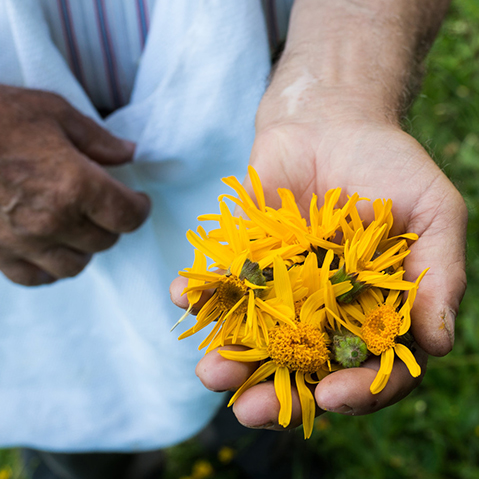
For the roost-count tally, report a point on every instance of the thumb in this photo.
(96, 142)
(441, 247)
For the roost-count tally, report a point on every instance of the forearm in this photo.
(368, 51)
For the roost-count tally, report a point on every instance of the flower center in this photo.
(297, 307)
(381, 328)
(299, 349)
(230, 291)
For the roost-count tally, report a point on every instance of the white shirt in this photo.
(89, 363)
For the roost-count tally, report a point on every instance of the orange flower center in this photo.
(381, 328)
(299, 349)
(297, 307)
(229, 292)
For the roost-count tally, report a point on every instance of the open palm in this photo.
(377, 161)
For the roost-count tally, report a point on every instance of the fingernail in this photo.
(448, 322)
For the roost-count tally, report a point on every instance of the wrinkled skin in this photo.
(58, 205)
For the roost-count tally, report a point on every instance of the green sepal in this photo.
(349, 350)
(253, 273)
(358, 287)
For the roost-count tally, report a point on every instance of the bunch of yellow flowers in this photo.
(307, 298)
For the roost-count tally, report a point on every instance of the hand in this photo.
(58, 205)
(362, 152)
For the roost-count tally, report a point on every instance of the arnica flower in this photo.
(302, 350)
(236, 299)
(382, 324)
(307, 297)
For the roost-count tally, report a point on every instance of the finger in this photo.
(112, 205)
(441, 247)
(177, 287)
(220, 374)
(25, 273)
(87, 237)
(258, 408)
(91, 139)
(60, 261)
(347, 391)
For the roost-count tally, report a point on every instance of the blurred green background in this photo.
(434, 433)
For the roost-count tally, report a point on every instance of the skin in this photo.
(331, 117)
(58, 205)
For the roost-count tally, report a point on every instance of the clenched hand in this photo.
(58, 205)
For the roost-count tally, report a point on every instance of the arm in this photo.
(57, 205)
(331, 117)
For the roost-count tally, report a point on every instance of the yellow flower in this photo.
(237, 304)
(226, 454)
(202, 469)
(6, 473)
(382, 323)
(303, 350)
(283, 285)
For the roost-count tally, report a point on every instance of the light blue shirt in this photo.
(89, 363)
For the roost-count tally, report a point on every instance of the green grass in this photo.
(434, 433)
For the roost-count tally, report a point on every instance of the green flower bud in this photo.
(349, 350)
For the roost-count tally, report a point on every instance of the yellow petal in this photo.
(251, 319)
(308, 404)
(271, 226)
(251, 355)
(288, 201)
(203, 287)
(229, 227)
(263, 372)
(282, 386)
(257, 188)
(212, 334)
(282, 284)
(338, 249)
(276, 313)
(232, 182)
(201, 277)
(409, 360)
(387, 259)
(238, 263)
(214, 250)
(199, 266)
(382, 377)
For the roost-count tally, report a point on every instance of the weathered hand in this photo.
(330, 118)
(58, 206)
(377, 160)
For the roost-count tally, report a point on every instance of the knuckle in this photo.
(53, 102)
(43, 225)
(136, 213)
(105, 241)
(26, 274)
(64, 262)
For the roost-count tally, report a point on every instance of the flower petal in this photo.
(257, 188)
(308, 404)
(250, 355)
(282, 386)
(408, 359)
(263, 372)
(382, 377)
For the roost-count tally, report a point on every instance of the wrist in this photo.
(303, 98)
(358, 60)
